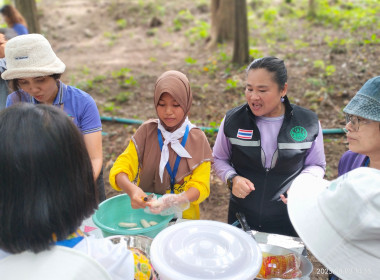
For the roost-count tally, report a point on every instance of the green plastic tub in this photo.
(118, 209)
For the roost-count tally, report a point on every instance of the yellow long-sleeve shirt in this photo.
(128, 163)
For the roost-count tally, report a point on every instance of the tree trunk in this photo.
(241, 44)
(222, 21)
(28, 9)
(312, 9)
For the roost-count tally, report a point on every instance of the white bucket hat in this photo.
(29, 56)
(339, 221)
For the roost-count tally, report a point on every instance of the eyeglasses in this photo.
(355, 121)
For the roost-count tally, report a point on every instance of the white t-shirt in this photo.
(115, 258)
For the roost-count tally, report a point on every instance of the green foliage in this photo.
(151, 32)
(316, 82)
(121, 73)
(231, 83)
(330, 70)
(319, 64)
(109, 107)
(124, 96)
(128, 82)
(270, 15)
(99, 78)
(121, 23)
(112, 37)
(299, 44)
(199, 32)
(85, 70)
(373, 40)
(184, 17)
(255, 53)
(356, 16)
(349, 15)
(327, 70)
(220, 61)
(189, 60)
(125, 79)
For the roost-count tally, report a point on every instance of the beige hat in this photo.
(30, 55)
(339, 221)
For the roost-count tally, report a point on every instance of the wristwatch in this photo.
(229, 181)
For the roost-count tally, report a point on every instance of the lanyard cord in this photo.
(173, 173)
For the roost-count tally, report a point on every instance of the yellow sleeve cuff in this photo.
(200, 179)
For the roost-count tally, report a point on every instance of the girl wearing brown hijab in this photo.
(168, 155)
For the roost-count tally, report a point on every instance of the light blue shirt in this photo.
(78, 105)
(4, 90)
(20, 29)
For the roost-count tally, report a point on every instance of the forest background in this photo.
(115, 50)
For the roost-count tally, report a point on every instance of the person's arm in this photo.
(198, 186)
(93, 143)
(134, 192)
(241, 186)
(122, 175)
(222, 154)
(315, 162)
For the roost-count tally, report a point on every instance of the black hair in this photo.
(16, 87)
(47, 185)
(274, 65)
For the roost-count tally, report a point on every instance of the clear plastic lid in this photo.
(205, 249)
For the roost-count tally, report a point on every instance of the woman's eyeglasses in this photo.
(355, 121)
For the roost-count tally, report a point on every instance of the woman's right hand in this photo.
(137, 198)
(241, 187)
(135, 193)
(2, 45)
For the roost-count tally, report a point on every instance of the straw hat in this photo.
(339, 221)
(30, 55)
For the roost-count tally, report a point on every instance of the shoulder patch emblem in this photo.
(298, 133)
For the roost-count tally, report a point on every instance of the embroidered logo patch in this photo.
(21, 57)
(298, 133)
(244, 134)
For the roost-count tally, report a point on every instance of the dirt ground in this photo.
(116, 49)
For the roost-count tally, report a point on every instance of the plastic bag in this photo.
(143, 267)
(168, 204)
(282, 266)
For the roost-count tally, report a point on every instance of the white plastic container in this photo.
(203, 249)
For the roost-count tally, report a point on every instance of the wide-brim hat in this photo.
(366, 102)
(339, 221)
(30, 55)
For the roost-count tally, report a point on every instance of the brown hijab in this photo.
(146, 140)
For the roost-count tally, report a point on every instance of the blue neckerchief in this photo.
(72, 240)
(366, 163)
(173, 173)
